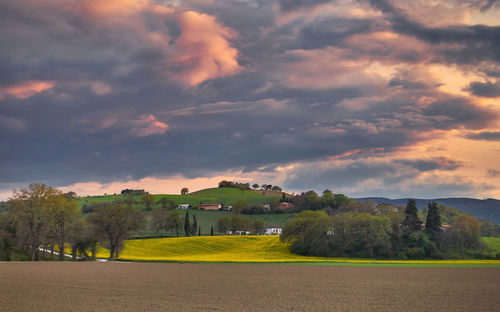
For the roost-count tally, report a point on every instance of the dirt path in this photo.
(52, 286)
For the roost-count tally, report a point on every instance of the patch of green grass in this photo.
(493, 243)
(208, 218)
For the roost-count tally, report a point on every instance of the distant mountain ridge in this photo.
(487, 209)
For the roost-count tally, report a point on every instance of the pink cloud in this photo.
(115, 7)
(148, 125)
(203, 49)
(100, 88)
(26, 89)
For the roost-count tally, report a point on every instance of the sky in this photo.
(363, 97)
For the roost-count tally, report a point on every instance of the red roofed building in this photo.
(209, 206)
(284, 206)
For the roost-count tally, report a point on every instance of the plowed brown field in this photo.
(52, 286)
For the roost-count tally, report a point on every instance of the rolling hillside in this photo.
(486, 209)
(205, 219)
(225, 196)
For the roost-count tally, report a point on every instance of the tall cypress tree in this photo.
(199, 231)
(187, 225)
(211, 230)
(411, 222)
(194, 228)
(433, 222)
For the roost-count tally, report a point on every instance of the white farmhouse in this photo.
(272, 230)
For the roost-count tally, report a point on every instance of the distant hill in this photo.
(216, 195)
(486, 209)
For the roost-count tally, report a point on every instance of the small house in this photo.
(209, 206)
(184, 206)
(273, 230)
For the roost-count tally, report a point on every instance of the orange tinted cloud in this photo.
(115, 7)
(203, 49)
(148, 125)
(26, 89)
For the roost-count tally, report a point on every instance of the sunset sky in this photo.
(367, 98)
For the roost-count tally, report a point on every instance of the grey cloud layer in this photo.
(249, 120)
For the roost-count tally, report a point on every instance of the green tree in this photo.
(411, 223)
(31, 208)
(148, 200)
(327, 199)
(223, 224)
(433, 222)
(361, 235)
(64, 213)
(341, 200)
(466, 229)
(194, 227)
(258, 226)
(308, 233)
(238, 206)
(211, 230)
(184, 190)
(167, 203)
(113, 224)
(187, 225)
(7, 236)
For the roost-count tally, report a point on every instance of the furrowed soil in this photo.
(117, 286)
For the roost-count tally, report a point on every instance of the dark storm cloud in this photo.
(290, 5)
(484, 135)
(330, 32)
(485, 89)
(440, 163)
(466, 44)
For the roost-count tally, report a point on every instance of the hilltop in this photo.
(216, 195)
(485, 209)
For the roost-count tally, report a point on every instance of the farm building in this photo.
(239, 233)
(209, 206)
(184, 206)
(284, 206)
(273, 230)
(227, 208)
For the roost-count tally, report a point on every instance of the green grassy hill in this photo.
(225, 196)
(205, 219)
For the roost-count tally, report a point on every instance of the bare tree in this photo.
(113, 224)
(160, 220)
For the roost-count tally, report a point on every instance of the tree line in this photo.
(246, 186)
(41, 218)
(394, 234)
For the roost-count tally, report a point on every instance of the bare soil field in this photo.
(52, 286)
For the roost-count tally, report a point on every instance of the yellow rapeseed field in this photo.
(257, 249)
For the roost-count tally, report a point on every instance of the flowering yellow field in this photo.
(258, 249)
